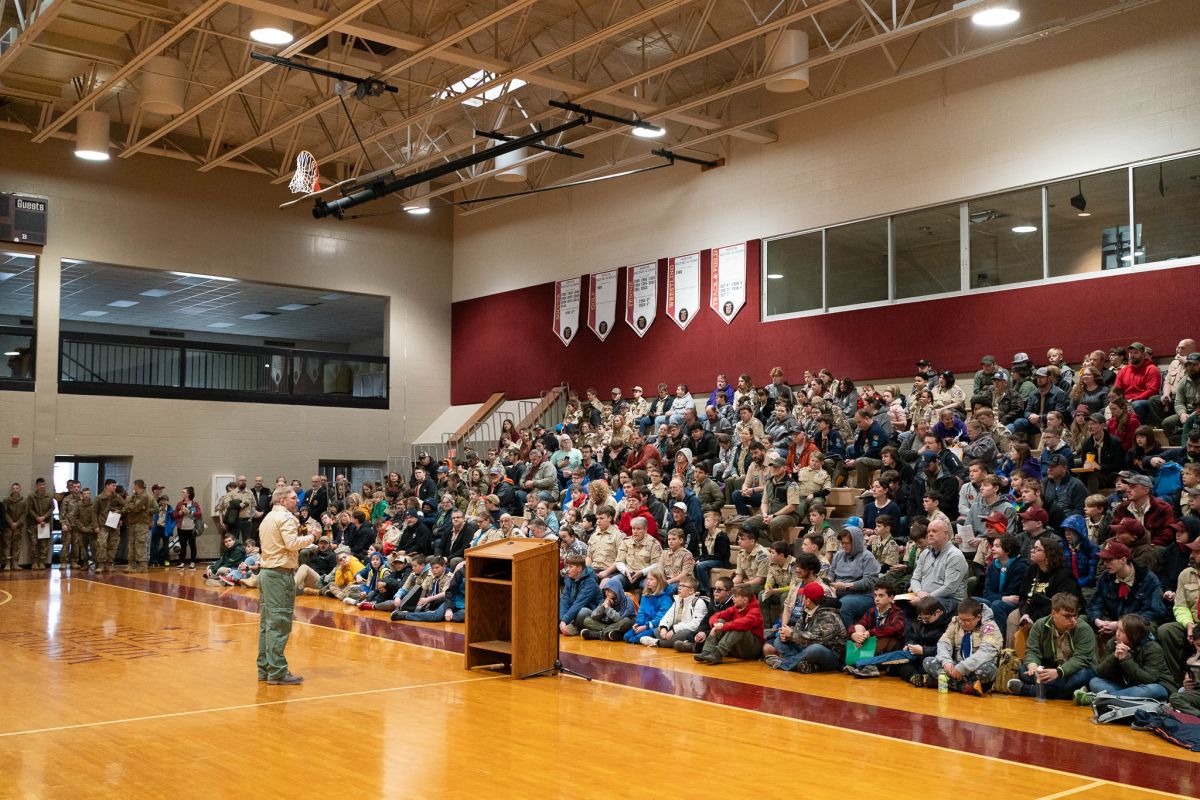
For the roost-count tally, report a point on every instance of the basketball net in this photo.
(306, 179)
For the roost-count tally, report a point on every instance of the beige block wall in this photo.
(155, 213)
(1109, 93)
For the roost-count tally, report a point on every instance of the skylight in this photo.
(467, 84)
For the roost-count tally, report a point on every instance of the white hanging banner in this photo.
(727, 281)
(566, 308)
(641, 296)
(602, 303)
(683, 288)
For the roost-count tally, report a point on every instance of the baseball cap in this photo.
(813, 591)
(1115, 550)
(924, 362)
(1194, 491)
(1082, 409)
(443, 468)
(1035, 515)
(422, 454)
(1128, 525)
(1020, 358)
(1098, 417)
(1000, 375)
(496, 469)
(1042, 372)
(1139, 479)
(774, 460)
(1058, 460)
(1192, 358)
(680, 506)
(988, 360)
(928, 458)
(1137, 346)
(997, 520)
(156, 487)
(493, 499)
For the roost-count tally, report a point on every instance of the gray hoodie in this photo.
(857, 567)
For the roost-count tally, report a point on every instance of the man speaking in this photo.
(277, 586)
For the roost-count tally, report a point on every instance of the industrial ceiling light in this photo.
(1080, 202)
(508, 170)
(418, 207)
(788, 47)
(270, 29)
(995, 13)
(644, 130)
(91, 135)
(164, 85)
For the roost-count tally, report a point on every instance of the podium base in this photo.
(558, 669)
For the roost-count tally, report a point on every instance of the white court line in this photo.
(1076, 790)
(245, 706)
(893, 740)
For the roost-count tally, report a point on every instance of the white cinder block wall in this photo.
(1119, 90)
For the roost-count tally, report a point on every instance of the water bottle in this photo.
(1040, 689)
(943, 683)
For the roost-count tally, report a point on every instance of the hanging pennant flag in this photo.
(727, 281)
(566, 308)
(602, 303)
(641, 296)
(683, 288)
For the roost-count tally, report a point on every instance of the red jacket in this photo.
(637, 460)
(741, 619)
(644, 513)
(1157, 523)
(1131, 425)
(892, 627)
(1139, 383)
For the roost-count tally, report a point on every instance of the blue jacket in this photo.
(830, 443)
(1145, 600)
(1082, 561)
(650, 612)
(578, 594)
(868, 443)
(1013, 576)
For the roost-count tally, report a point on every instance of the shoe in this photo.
(869, 671)
(192, 566)
(649, 641)
(805, 668)
(1083, 697)
(588, 634)
(287, 680)
(399, 616)
(972, 688)
(1017, 686)
(685, 647)
(775, 662)
(366, 606)
(180, 568)
(572, 630)
(262, 676)
(310, 592)
(228, 581)
(708, 658)
(350, 601)
(613, 636)
(920, 680)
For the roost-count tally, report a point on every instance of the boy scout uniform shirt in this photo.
(139, 508)
(639, 556)
(602, 547)
(779, 575)
(679, 562)
(781, 493)
(755, 564)
(247, 508)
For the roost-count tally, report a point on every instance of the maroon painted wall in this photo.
(505, 342)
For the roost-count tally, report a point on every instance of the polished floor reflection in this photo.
(145, 685)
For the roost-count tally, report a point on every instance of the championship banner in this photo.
(727, 281)
(641, 296)
(602, 302)
(566, 308)
(683, 288)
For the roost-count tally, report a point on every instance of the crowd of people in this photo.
(1029, 533)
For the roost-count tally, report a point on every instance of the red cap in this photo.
(1035, 515)
(813, 591)
(1115, 550)
(997, 520)
(1127, 525)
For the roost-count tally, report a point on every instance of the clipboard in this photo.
(43, 530)
(113, 520)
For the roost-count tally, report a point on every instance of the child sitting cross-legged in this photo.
(656, 600)
(969, 651)
(737, 631)
(816, 642)
(683, 618)
(613, 617)
(246, 568)
(884, 622)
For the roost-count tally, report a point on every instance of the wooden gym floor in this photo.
(145, 686)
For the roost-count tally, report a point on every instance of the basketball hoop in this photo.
(306, 179)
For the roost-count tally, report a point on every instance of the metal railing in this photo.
(120, 365)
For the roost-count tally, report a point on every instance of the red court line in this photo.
(1178, 776)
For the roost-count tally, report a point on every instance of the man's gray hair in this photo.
(638, 522)
(280, 494)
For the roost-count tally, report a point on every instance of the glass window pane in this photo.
(1006, 238)
(927, 251)
(18, 273)
(1088, 220)
(856, 263)
(1166, 205)
(793, 273)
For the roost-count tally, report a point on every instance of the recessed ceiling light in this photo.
(1084, 214)
(156, 293)
(994, 13)
(294, 306)
(12, 353)
(6, 275)
(1024, 229)
(123, 303)
(333, 296)
(93, 313)
(256, 316)
(205, 277)
(220, 325)
(773, 276)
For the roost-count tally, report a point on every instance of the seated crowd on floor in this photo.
(1030, 533)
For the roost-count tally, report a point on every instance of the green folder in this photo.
(854, 652)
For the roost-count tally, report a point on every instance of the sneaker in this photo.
(972, 688)
(684, 647)
(228, 581)
(311, 592)
(1083, 697)
(775, 662)
(649, 641)
(180, 568)
(366, 606)
(920, 680)
(869, 671)
(589, 634)
(806, 668)
(192, 565)
(572, 630)
(287, 680)
(350, 601)
(1016, 686)
(708, 658)
(613, 636)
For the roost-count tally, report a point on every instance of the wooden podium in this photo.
(512, 605)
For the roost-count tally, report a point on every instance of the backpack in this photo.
(232, 512)
(1110, 709)
(1007, 668)
(1168, 483)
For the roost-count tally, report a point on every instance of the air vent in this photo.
(167, 334)
(278, 343)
